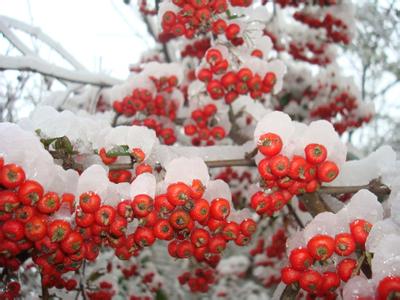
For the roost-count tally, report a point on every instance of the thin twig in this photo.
(294, 215)
(374, 186)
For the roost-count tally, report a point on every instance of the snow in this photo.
(358, 287)
(185, 170)
(143, 184)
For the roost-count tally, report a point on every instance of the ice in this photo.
(324, 223)
(218, 189)
(94, 179)
(359, 172)
(322, 132)
(378, 231)
(276, 122)
(358, 287)
(185, 170)
(296, 240)
(143, 184)
(240, 215)
(386, 260)
(363, 205)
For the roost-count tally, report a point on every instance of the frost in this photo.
(218, 189)
(143, 184)
(185, 170)
(386, 260)
(378, 231)
(358, 287)
(94, 179)
(363, 205)
(233, 265)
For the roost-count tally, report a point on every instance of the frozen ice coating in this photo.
(36, 161)
(378, 231)
(324, 223)
(363, 205)
(240, 215)
(143, 184)
(296, 240)
(185, 170)
(157, 70)
(358, 287)
(94, 179)
(322, 132)
(386, 260)
(276, 122)
(367, 168)
(218, 189)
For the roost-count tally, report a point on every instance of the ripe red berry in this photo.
(321, 247)
(360, 230)
(107, 160)
(49, 203)
(89, 202)
(163, 230)
(344, 244)
(345, 268)
(178, 193)
(290, 275)
(220, 209)
(30, 192)
(300, 259)
(248, 227)
(327, 171)
(232, 31)
(105, 215)
(310, 281)
(142, 205)
(269, 144)
(200, 237)
(58, 230)
(200, 210)
(72, 243)
(9, 201)
(13, 230)
(330, 282)
(144, 237)
(11, 176)
(179, 219)
(279, 165)
(315, 153)
(389, 288)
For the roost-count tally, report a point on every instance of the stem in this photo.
(314, 204)
(251, 154)
(294, 215)
(289, 293)
(115, 119)
(374, 186)
(45, 293)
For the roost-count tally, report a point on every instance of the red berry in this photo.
(327, 171)
(344, 244)
(345, 268)
(58, 230)
(389, 288)
(310, 281)
(11, 176)
(360, 230)
(315, 153)
(300, 259)
(220, 209)
(290, 275)
(269, 144)
(89, 202)
(30, 192)
(321, 247)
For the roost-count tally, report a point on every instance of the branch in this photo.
(294, 215)
(314, 204)
(38, 65)
(210, 163)
(374, 186)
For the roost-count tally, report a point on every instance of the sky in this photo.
(103, 35)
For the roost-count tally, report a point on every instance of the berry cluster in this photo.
(222, 83)
(287, 177)
(197, 227)
(336, 29)
(202, 126)
(318, 252)
(194, 17)
(343, 104)
(30, 226)
(142, 101)
(197, 49)
(310, 52)
(199, 281)
(105, 291)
